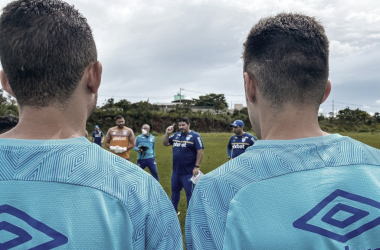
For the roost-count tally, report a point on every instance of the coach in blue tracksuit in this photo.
(145, 146)
(240, 141)
(187, 156)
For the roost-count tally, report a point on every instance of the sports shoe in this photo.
(178, 212)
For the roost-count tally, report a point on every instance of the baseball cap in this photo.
(96, 127)
(237, 123)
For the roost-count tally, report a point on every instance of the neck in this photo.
(240, 134)
(291, 123)
(48, 124)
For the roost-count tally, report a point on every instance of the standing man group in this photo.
(97, 136)
(145, 146)
(187, 156)
(120, 139)
(240, 141)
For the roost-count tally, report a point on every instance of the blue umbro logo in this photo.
(23, 236)
(355, 215)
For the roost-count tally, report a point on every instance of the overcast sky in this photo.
(151, 49)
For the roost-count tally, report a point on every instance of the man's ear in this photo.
(5, 83)
(250, 87)
(327, 91)
(94, 76)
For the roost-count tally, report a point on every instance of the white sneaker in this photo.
(178, 213)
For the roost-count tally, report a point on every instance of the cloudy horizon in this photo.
(150, 49)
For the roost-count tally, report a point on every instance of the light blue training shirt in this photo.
(147, 141)
(313, 193)
(72, 194)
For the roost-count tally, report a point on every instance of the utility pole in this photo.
(180, 95)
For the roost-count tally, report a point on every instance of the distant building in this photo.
(238, 106)
(180, 98)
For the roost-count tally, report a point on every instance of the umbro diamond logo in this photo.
(23, 236)
(355, 215)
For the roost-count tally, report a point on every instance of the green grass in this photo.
(215, 155)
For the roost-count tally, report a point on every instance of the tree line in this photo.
(139, 113)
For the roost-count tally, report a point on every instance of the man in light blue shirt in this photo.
(298, 187)
(58, 190)
(145, 146)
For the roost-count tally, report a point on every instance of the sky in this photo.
(151, 49)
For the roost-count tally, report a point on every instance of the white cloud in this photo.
(378, 101)
(151, 48)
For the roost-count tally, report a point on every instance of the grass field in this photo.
(215, 155)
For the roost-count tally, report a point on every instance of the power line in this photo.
(137, 97)
(206, 93)
(360, 105)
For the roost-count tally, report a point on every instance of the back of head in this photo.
(288, 57)
(45, 46)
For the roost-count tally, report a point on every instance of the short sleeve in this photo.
(198, 142)
(132, 136)
(171, 140)
(229, 144)
(109, 135)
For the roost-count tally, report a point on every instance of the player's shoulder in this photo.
(127, 128)
(112, 128)
(250, 136)
(120, 172)
(176, 135)
(195, 133)
(232, 169)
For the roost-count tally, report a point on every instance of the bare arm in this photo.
(198, 161)
(131, 144)
(199, 156)
(108, 142)
(169, 130)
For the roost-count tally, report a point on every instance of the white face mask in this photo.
(144, 131)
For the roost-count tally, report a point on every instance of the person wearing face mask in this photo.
(145, 146)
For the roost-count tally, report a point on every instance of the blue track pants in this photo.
(180, 181)
(151, 164)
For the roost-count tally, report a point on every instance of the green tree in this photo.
(217, 101)
(124, 104)
(3, 99)
(110, 103)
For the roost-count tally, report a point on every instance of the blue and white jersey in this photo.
(97, 136)
(147, 141)
(72, 194)
(238, 144)
(313, 193)
(185, 148)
